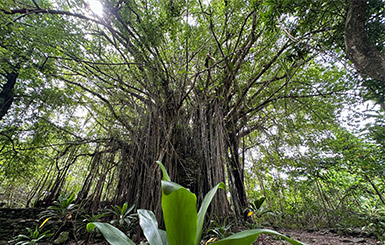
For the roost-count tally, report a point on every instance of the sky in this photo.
(96, 7)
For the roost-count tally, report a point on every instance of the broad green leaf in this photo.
(164, 171)
(112, 234)
(149, 225)
(203, 209)
(249, 236)
(180, 214)
(169, 187)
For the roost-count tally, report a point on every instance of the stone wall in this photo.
(14, 222)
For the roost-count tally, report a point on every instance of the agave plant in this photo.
(182, 220)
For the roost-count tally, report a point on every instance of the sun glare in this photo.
(96, 7)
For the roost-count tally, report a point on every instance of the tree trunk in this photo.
(238, 192)
(367, 59)
(6, 95)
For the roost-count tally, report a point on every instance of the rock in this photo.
(356, 231)
(63, 238)
(346, 240)
(323, 232)
(359, 240)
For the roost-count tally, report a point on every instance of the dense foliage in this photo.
(248, 93)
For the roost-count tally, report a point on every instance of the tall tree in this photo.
(183, 82)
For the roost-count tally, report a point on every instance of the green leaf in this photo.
(169, 187)
(35, 234)
(180, 214)
(249, 236)
(258, 202)
(149, 225)
(164, 171)
(112, 234)
(90, 227)
(30, 231)
(124, 208)
(203, 209)
(21, 236)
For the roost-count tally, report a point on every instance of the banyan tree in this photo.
(181, 82)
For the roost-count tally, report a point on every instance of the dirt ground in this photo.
(322, 237)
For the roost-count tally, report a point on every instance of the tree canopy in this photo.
(90, 102)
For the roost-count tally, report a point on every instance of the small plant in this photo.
(256, 211)
(257, 204)
(183, 223)
(34, 236)
(87, 218)
(94, 217)
(124, 217)
(90, 218)
(219, 229)
(62, 209)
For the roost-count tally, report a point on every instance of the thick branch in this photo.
(366, 58)
(48, 11)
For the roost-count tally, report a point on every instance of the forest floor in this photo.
(14, 221)
(320, 237)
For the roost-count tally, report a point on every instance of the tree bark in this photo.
(6, 95)
(238, 192)
(367, 59)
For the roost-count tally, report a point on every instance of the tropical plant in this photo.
(62, 209)
(123, 215)
(220, 229)
(87, 218)
(375, 220)
(90, 218)
(256, 204)
(94, 217)
(183, 223)
(34, 236)
(256, 210)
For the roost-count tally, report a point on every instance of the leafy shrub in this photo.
(62, 209)
(183, 223)
(374, 217)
